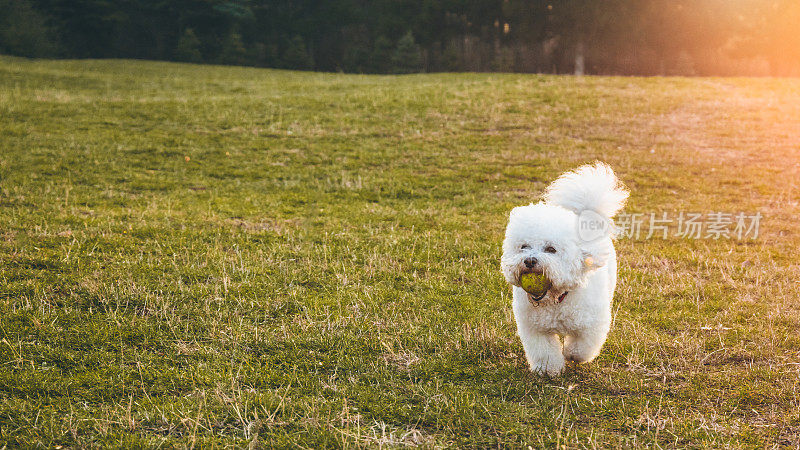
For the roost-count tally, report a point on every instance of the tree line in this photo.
(641, 37)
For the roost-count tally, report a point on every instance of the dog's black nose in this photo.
(530, 262)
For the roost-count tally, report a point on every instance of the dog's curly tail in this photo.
(593, 187)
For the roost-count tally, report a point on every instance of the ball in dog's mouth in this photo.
(535, 284)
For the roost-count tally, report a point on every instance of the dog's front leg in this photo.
(543, 351)
(586, 346)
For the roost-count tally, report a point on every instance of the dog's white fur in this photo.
(586, 270)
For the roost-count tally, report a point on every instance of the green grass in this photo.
(195, 255)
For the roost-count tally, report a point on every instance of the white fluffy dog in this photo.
(567, 237)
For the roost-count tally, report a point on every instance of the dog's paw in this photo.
(553, 366)
(578, 354)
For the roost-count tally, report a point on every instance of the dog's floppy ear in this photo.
(595, 254)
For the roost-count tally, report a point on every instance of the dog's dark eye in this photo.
(525, 247)
(550, 249)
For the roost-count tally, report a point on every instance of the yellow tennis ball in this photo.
(535, 284)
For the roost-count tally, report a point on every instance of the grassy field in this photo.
(196, 255)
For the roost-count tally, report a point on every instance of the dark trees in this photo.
(683, 37)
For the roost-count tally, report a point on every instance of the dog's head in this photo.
(545, 238)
